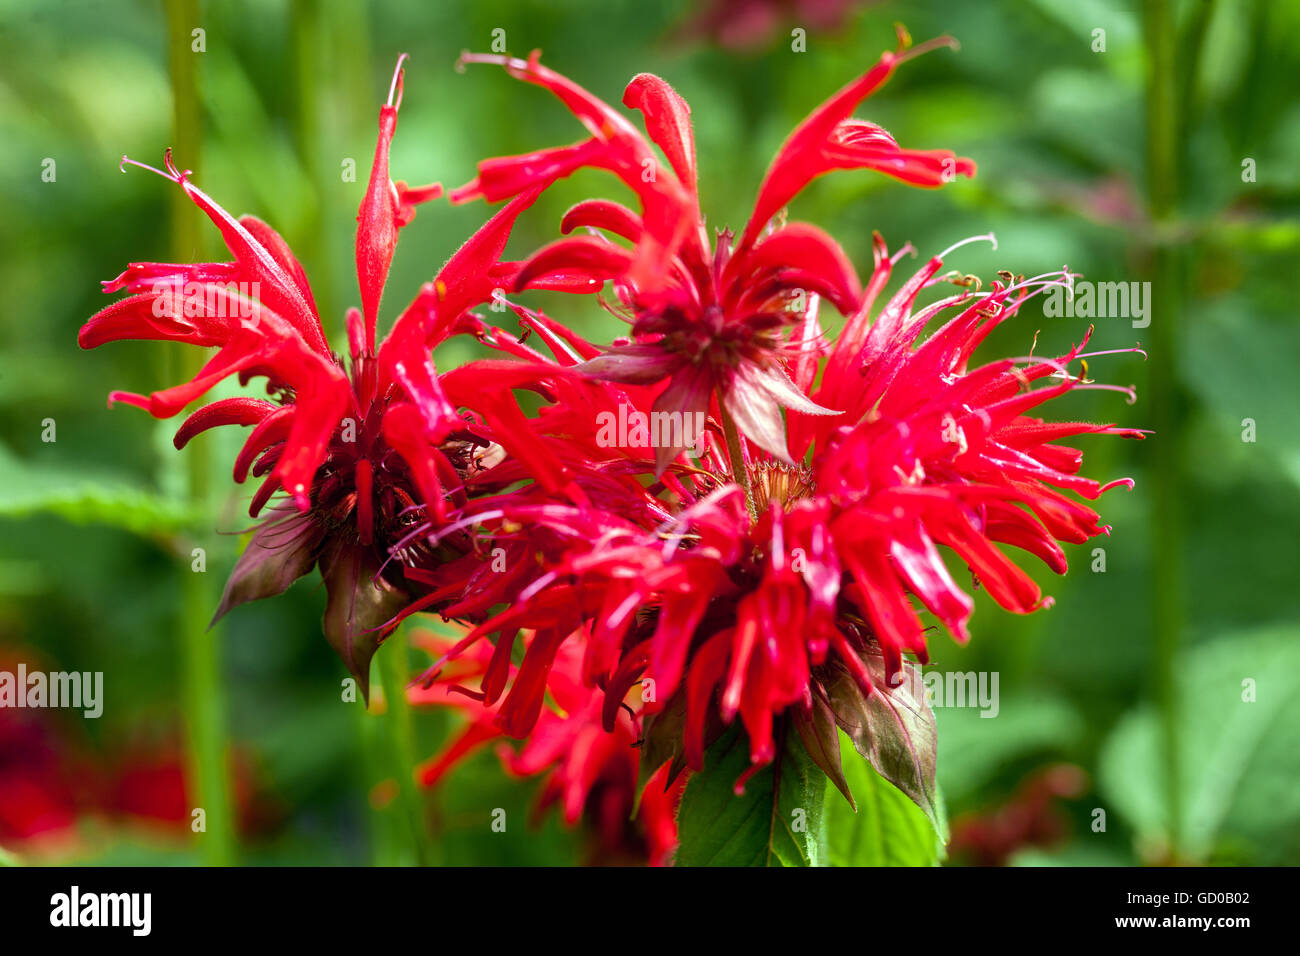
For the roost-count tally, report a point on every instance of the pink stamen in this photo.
(1140, 351)
(529, 592)
(1038, 289)
(465, 523)
(1063, 278)
(1128, 483)
(494, 59)
(1040, 360)
(1130, 391)
(170, 174)
(395, 550)
(921, 49)
(395, 88)
(908, 249)
(987, 237)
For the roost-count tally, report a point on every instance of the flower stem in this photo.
(739, 473)
(372, 764)
(202, 698)
(394, 673)
(206, 721)
(305, 47)
(1163, 173)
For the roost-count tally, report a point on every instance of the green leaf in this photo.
(1230, 392)
(1239, 758)
(280, 552)
(888, 829)
(86, 498)
(777, 821)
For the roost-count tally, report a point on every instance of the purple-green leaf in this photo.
(821, 738)
(279, 553)
(893, 727)
(358, 604)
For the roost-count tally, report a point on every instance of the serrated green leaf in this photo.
(888, 829)
(777, 821)
(87, 498)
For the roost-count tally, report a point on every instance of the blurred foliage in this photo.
(1241, 762)
(95, 532)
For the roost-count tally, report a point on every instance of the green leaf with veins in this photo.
(887, 829)
(777, 821)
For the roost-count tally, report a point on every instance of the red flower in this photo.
(1031, 817)
(370, 451)
(771, 580)
(806, 609)
(709, 319)
(746, 24)
(38, 775)
(588, 772)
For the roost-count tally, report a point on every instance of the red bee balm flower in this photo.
(778, 584)
(768, 582)
(587, 770)
(710, 320)
(804, 609)
(369, 451)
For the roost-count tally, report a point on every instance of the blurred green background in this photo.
(1124, 164)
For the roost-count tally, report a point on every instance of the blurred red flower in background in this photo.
(38, 797)
(52, 780)
(1030, 817)
(746, 24)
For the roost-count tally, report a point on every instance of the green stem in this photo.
(202, 700)
(1163, 172)
(387, 848)
(206, 719)
(739, 473)
(306, 35)
(394, 674)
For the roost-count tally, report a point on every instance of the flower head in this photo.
(369, 449)
(806, 610)
(711, 319)
(771, 580)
